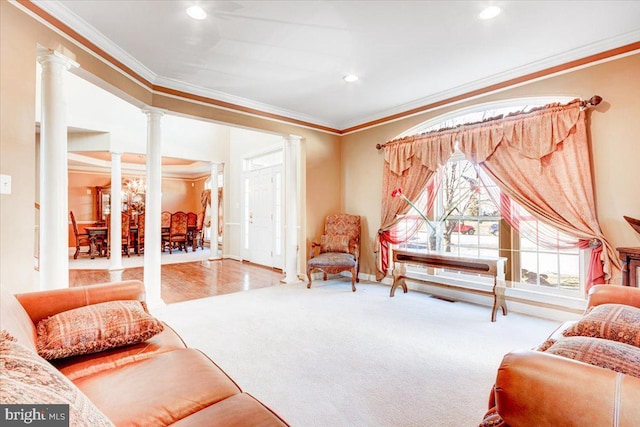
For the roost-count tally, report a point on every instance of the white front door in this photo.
(263, 217)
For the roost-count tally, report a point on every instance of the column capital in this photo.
(115, 153)
(293, 138)
(153, 111)
(50, 56)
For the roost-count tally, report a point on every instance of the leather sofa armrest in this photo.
(613, 294)
(42, 304)
(549, 391)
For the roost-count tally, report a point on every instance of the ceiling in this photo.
(289, 57)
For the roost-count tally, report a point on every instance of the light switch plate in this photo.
(5, 184)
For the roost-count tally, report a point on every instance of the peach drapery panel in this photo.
(540, 159)
(409, 164)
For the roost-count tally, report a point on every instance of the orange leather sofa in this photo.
(534, 388)
(158, 382)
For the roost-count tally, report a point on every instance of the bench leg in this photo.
(498, 301)
(399, 270)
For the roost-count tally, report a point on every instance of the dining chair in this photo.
(126, 234)
(165, 223)
(140, 243)
(178, 231)
(197, 236)
(82, 239)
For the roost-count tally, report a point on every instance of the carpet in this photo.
(329, 357)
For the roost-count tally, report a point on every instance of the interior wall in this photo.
(20, 34)
(18, 152)
(614, 129)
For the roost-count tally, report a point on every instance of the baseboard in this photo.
(517, 302)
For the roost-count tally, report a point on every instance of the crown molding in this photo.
(538, 70)
(159, 83)
(187, 88)
(549, 63)
(82, 27)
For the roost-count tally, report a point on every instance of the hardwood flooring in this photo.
(191, 280)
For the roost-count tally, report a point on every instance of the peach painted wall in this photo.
(342, 173)
(614, 126)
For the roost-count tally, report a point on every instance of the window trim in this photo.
(511, 236)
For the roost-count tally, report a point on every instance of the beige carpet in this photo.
(328, 357)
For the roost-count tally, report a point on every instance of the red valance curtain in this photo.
(541, 160)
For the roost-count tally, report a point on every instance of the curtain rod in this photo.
(591, 102)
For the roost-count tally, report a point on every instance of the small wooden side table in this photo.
(630, 258)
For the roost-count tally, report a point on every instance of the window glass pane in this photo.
(569, 272)
(548, 270)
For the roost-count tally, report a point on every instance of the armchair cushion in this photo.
(94, 328)
(332, 262)
(334, 243)
(615, 322)
(617, 356)
(27, 378)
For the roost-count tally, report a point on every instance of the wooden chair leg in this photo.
(309, 270)
(354, 277)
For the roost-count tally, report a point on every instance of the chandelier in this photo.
(135, 187)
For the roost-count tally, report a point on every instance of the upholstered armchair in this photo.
(339, 248)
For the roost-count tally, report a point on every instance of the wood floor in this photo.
(192, 280)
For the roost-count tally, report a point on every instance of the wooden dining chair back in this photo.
(140, 242)
(165, 224)
(178, 231)
(192, 218)
(126, 234)
(197, 236)
(82, 239)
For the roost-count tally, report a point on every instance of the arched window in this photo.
(467, 219)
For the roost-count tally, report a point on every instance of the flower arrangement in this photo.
(398, 193)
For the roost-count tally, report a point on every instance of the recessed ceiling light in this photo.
(349, 78)
(196, 12)
(490, 12)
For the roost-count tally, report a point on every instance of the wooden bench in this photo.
(487, 266)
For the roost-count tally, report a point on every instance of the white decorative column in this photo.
(291, 148)
(115, 224)
(54, 188)
(153, 209)
(214, 213)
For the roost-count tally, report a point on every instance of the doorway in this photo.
(263, 210)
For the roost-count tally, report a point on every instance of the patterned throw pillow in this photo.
(94, 328)
(617, 322)
(334, 243)
(614, 355)
(27, 378)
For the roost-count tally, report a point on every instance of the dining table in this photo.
(98, 233)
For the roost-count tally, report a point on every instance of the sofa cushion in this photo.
(87, 364)
(614, 355)
(14, 319)
(159, 390)
(239, 410)
(334, 243)
(615, 322)
(27, 378)
(94, 328)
